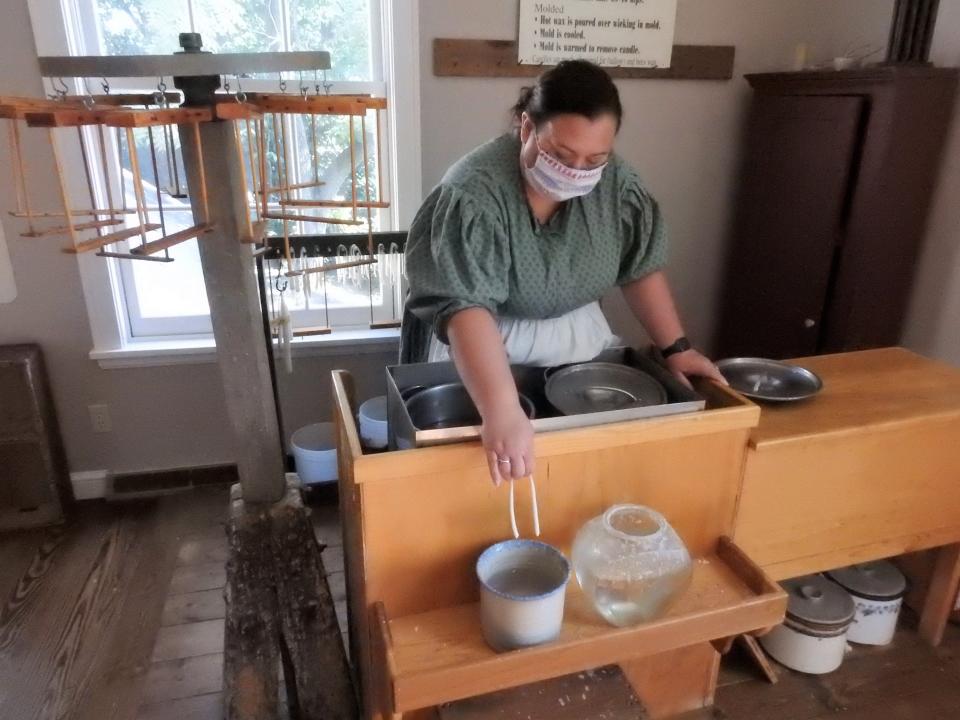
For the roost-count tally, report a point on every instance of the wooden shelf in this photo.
(440, 656)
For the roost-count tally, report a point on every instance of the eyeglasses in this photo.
(552, 152)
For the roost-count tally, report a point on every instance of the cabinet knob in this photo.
(809, 323)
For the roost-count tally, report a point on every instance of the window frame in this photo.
(56, 29)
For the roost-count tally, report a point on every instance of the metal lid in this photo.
(879, 580)
(600, 387)
(815, 601)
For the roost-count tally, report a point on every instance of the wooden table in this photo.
(868, 469)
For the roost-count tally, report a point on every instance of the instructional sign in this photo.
(617, 33)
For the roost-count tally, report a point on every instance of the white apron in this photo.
(578, 336)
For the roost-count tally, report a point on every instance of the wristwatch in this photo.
(679, 345)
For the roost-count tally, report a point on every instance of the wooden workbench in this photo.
(868, 469)
(415, 521)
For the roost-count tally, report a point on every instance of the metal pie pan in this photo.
(449, 406)
(769, 380)
(601, 387)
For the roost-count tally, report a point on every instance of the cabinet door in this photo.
(800, 153)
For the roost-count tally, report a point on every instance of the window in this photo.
(368, 41)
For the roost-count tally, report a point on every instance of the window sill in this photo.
(185, 351)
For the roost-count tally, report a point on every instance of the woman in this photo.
(509, 255)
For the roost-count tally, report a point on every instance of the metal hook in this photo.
(160, 96)
(283, 83)
(225, 82)
(88, 101)
(61, 91)
(326, 85)
(241, 95)
(316, 82)
(280, 277)
(304, 89)
(105, 84)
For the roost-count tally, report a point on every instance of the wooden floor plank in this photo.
(39, 632)
(333, 558)
(193, 607)
(199, 707)
(201, 549)
(189, 640)
(17, 550)
(149, 563)
(193, 578)
(176, 679)
(326, 525)
(870, 679)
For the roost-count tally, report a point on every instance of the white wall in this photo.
(933, 325)
(683, 136)
(162, 416)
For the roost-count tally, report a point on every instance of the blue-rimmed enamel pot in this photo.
(522, 589)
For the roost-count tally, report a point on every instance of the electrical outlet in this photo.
(100, 418)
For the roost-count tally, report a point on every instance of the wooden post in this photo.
(277, 596)
(231, 283)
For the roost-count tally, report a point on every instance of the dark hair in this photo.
(572, 86)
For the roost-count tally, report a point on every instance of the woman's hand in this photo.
(690, 363)
(507, 436)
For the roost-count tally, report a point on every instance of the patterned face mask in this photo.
(557, 181)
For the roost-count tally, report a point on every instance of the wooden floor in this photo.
(119, 616)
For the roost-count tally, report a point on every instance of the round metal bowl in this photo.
(448, 406)
(599, 387)
(769, 380)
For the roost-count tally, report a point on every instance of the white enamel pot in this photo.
(813, 637)
(877, 589)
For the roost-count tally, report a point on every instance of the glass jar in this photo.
(631, 564)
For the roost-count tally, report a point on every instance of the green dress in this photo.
(475, 243)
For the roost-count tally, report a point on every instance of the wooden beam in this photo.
(147, 118)
(455, 57)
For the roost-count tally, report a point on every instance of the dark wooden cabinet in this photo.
(837, 178)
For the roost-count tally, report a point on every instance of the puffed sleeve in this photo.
(457, 257)
(644, 233)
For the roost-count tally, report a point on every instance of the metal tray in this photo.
(531, 382)
(769, 380)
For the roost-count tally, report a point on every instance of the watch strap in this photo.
(678, 346)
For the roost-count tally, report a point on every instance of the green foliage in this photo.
(134, 27)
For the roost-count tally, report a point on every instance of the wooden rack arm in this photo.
(310, 218)
(331, 267)
(65, 229)
(99, 242)
(169, 241)
(293, 202)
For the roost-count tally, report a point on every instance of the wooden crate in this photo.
(415, 521)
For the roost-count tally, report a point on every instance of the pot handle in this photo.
(536, 510)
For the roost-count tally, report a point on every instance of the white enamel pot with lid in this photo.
(877, 589)
(813, 637)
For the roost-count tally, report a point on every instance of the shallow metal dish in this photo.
(448, 406)
(769, 380)
(600, 387)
